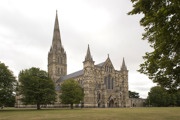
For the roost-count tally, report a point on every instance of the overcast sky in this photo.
(26, 31)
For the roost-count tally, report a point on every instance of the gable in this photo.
(108, 65)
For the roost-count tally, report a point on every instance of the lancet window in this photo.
(109, 82)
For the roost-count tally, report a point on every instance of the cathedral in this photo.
(103, 85)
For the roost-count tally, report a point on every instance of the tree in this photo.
(36, 87)
(171, 99)
(133, 94)
(71, 92)
(178, 98)
(162, 30)
(157, 96)
(7, 86)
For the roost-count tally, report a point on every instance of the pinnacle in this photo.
(88, 55)
(123, 67)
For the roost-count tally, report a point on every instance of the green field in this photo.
(163, 113)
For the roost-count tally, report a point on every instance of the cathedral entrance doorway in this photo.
(99, 105)
(111, 103)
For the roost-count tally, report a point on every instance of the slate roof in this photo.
(72, 75)
(100, 64)
(75, 74)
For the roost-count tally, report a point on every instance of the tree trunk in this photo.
(71, 105)
(38, 106)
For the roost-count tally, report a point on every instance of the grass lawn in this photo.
(163, 113)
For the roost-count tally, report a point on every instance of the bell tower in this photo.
(57, 61)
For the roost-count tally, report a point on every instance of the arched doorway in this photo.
(111, 103)
(116, 105)
(99, 105)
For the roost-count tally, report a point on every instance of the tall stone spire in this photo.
(57, 61)
(123, 67)
(88, 55)
(56, 35)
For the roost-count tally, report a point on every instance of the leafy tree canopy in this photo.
(37, 87)
(178, 98)
(133, 94)
(71, 92)
(158, 96)
(7, 86)
(162, 30)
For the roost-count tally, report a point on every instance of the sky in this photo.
(26, 31)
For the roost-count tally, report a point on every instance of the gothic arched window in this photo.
(105, 82)
(112, 83)
(61, 71)
(58, 70)
(98, 96)
(109, 82)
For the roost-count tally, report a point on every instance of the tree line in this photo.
(160, 97)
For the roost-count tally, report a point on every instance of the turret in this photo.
(88, 62)
(123, 67)
(89, 79)
(124, 71)
(124, 76)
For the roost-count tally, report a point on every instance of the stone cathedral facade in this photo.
(103, 85)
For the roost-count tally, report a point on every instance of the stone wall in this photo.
(137, 102)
